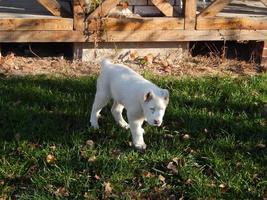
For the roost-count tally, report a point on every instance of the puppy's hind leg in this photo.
(101, 100)
(116, 111)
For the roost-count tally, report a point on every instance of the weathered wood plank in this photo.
(54, 7)
(216, 23)
(41, 36)
(149, 23)
(190, 14)
(164, 6)
(103, 9)
(215, 7)
(264, 2)
(133, 36)
(182, 35)
(78, 15)
(35, 24)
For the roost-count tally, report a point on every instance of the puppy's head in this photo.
(154, 106)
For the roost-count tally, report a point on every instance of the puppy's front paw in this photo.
(140, 147)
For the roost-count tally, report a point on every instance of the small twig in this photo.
(30, 48)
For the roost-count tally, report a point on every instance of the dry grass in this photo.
(188, 66)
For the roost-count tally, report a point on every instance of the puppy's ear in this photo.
(148, 96)
(165, 94)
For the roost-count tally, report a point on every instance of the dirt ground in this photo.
(188, 66)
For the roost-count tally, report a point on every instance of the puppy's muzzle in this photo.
(157, 122)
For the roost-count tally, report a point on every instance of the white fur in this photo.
(143, 100)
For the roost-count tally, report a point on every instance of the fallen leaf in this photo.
(168, 136)
(169, 61)
(260, 146)
(133, 55)
(61, 192)
(181, 198)
(148, 174)
(33, 145)
(188, 181)
(189, 150)
(116, 153)
(212, 184)
(238, 164)
(167, 69)
(90, 144)
(149, 58)
(16, 67)
(223, 188)
(185, 136)
(4, 197)
(197, 165)
(162, 178)
(50, 159)
(97, 177)
(92, 158)
(108, 188)
(172, 167)
(164, 63)
(53, 147)
(82, 153)
(88, 196)
(179, 161)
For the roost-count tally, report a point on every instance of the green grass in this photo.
(224, 117)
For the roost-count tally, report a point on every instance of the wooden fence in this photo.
(77, 26)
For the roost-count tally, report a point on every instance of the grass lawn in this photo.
(211, 146)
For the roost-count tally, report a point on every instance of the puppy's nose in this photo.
(156, 121)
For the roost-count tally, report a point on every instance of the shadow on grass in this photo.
(49, 108)
(44, 108)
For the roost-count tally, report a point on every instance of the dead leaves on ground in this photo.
(172, 64)
(107, 189)
(61, 192)
(87, 152)
(51, 159)
(185, 136)
(175, 164)
(18, 65)
(260, 146)
(90, 144)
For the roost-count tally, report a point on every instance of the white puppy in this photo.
(143, 100)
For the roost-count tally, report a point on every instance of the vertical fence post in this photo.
(264, 54)
(78, 25)
(78, 15)
(190, 14)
